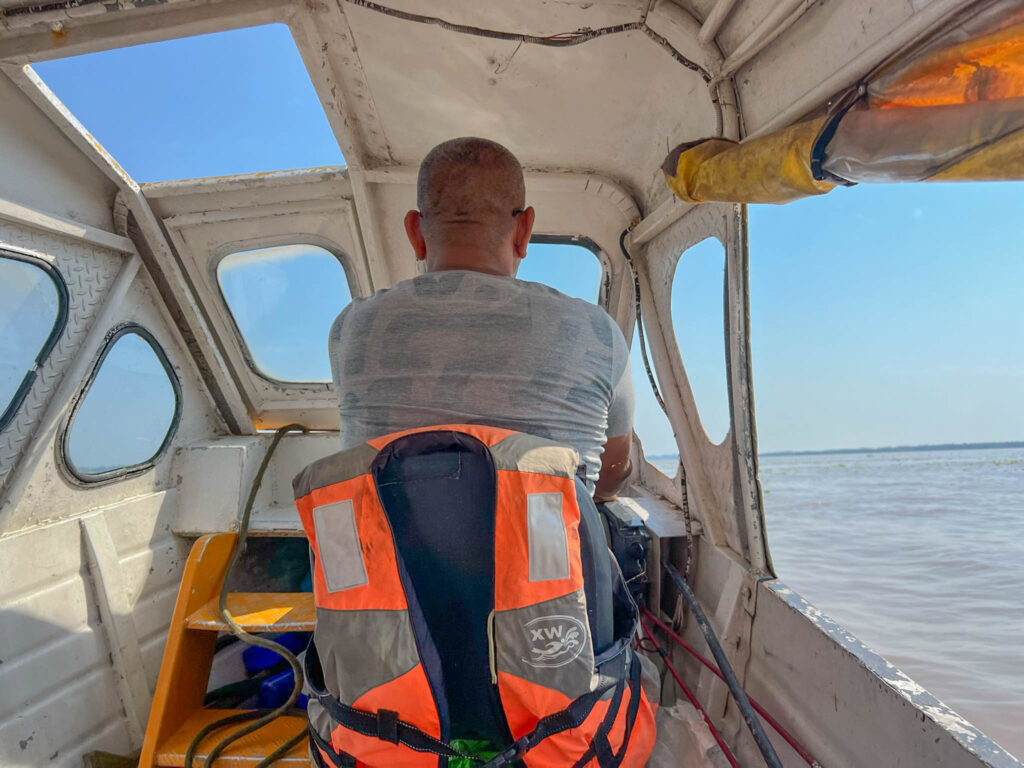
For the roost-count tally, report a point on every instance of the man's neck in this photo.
(471, 258)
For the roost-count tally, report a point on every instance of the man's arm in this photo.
(615, 467)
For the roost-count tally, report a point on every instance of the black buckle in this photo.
(509, 756)
(387, 725)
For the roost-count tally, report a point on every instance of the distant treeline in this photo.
(887, 449)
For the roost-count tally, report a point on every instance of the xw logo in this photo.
(546, 632)
(554, 640)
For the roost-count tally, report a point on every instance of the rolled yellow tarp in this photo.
(951, 109)
(980, 59)
(769, 169)
(926, 143)
(1001, 161)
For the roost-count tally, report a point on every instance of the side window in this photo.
(651, 424)
(698, 319)
(33, 311)
(125, 417)
(568, 267)
(283, 301)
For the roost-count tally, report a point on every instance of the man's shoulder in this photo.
(605, 331)
(372, 304)
(570, 303)
(472, 287)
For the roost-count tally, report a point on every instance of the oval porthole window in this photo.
(698, 319)
(283, 300)
(126, 415)
(33, 310)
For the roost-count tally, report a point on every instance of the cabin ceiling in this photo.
(555, 108)
(614, 105)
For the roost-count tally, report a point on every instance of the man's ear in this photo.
(414, 231)
(524, 228)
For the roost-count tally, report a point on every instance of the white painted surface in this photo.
(115, 611)
(214, 478)
(35, 158)
(59, 693)
(56, 225)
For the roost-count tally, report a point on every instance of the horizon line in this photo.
(882, 449)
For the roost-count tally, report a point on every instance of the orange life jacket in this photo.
(452, 603)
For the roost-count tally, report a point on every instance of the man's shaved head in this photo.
(470, 183)
(472, 209)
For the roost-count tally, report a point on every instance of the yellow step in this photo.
(259, 612)
(248, 750)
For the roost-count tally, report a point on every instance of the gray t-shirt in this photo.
(466, 347)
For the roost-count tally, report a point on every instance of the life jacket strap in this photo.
(600, 748)
(384, 724)
(570, 717)
(320, 747)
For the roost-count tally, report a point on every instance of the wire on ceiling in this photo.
(559, 40)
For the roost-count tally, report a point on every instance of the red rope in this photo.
(693, 699)
(787, 737)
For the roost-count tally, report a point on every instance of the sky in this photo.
(881, 314)
(29, 307)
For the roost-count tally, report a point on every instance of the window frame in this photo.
(725, 337)
(60, 322)
(263, 243)
(604, 284)
(64, 460)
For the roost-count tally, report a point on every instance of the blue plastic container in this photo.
(257, 659)
(275, 689)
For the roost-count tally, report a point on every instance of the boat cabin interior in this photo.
(110, 572)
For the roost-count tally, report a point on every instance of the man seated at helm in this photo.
(468, 343)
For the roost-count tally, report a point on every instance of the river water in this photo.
(921, 556)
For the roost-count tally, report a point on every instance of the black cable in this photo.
(640, 320)
(260, 718)
(756, 729)
(561, 40)
(684, 497)
(675, 54)
(59, 5)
